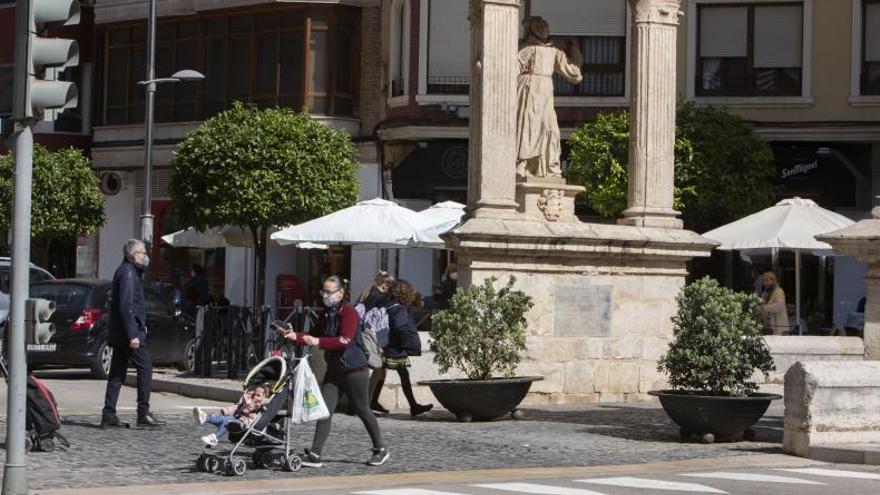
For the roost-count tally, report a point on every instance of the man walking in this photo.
(128, 336)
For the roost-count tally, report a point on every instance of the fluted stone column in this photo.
(652, 114)
(492, 153)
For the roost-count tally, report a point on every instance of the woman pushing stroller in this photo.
(347, 370)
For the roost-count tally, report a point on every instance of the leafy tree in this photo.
(256, 169)
(66, 201)
(483, 331)
(723, 170)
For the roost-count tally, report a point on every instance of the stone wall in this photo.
(787, 350)
(829, 403)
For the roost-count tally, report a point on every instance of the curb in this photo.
(866, 454)
(194, 390)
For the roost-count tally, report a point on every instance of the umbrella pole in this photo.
(797, 289)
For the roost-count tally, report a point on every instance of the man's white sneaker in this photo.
(210, 440)
(199, 415)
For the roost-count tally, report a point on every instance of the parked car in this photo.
(37, 275)
(81, 324)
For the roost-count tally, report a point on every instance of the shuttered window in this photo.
(448, 46)
(871, 47)
(583, 17)
(750, 50)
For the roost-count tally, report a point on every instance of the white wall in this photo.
(119, 227)
(849, 286)
(363, 260)
(280, 260)
(417, 265)
(239, 276)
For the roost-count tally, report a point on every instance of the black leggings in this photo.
(356, 385)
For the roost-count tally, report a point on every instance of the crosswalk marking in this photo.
(535, 489)
(407, 491)
(653, 484)
(764, 478)
(834, 473)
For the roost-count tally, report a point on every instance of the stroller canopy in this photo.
(271, 370)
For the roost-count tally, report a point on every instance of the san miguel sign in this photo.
(800, 169)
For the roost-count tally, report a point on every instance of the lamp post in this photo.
(150, 87)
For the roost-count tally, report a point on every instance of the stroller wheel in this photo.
(212, 464)
(238, 467)
(202, 463)
(293, 464)
(47, 445)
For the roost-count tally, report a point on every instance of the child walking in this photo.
(243, 412)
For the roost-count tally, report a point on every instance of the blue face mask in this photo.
(145, 261)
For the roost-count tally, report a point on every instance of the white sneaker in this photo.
(210, 440)
(199, 415)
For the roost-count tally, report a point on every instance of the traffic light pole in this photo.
(15, 469)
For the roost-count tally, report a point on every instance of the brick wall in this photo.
(372, 98)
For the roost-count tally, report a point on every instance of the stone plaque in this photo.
(582, 308)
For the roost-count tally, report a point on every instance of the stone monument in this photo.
(604, 294)
(862, 241)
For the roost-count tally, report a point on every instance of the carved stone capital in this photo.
(656, 11)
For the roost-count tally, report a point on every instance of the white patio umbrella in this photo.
(215, 237)
(791, 224)
(375, 222)
(445, 216)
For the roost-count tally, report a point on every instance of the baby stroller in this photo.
(42, 420)
(269, 432)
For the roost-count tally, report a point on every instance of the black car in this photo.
(81, 319)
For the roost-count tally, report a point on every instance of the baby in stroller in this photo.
(243, 412)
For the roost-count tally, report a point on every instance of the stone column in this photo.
(862, 241)
(492, 152)
(652, 114)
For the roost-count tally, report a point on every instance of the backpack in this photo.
(374, 334)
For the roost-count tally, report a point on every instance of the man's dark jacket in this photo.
(128, 315)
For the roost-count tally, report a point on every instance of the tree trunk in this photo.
(260, 242)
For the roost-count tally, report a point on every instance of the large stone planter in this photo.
(714, 417)
(481, 400)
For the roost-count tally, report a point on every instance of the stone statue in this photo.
(537, 131)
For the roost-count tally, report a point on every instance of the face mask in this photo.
(144, 262)
(331, 300)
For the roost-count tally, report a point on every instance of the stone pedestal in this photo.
(862, 241)
(547, 199)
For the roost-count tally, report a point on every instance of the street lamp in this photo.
(150, 87)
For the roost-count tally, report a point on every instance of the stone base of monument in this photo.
(547, 198)
(604, 296)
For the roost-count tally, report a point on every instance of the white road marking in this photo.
(653, 484)
(763, 478)
(535, 489)
(833, 473)
(406, 491)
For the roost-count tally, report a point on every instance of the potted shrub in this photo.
(710, 363)
(483, 334)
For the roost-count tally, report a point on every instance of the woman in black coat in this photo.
(403, 341)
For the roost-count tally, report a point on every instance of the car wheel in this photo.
(101, 364)
(188, 363)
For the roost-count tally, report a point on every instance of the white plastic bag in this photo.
(308, 403)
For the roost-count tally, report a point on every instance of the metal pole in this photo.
(797, 290)
(15, 469)
(150, 87)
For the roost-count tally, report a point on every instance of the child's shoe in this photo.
(210, 440)
(199, 415)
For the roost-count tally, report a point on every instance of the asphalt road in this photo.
(78, 394)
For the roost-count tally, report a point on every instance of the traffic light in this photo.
(39, 60)
(37, 328)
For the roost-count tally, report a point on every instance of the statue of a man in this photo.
(537, 131)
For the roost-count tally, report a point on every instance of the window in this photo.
(599, 27)
(288, 57)
(399, 47)
(871, 47)
(6, 72)
(750, 50)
